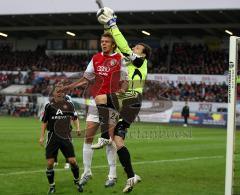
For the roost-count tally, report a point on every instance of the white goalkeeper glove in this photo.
(107, 17)
(112, 21)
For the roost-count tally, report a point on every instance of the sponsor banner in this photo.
(201, 118)
(58, 74)
(201, 106)
(159, 117)
(208, 79)
(183, 78)
(24, 73)
(189, 78)
(194, 106)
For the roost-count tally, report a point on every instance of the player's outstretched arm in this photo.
(88, 76)
(81, 82)
(124, 47)
(109, 19)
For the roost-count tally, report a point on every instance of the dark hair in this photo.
(109, 35)
(147, 50)
(56, 85)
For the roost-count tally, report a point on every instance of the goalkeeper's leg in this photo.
(125, 160)
(130, 109)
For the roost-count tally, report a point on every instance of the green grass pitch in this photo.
(170, 159)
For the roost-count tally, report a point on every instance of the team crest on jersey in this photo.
(113, 62)
(59, 111)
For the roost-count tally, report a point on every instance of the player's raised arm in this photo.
(109, 19)
(87, 77)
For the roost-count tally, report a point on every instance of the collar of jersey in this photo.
(109, 55)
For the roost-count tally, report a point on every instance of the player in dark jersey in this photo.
(57, 120)
(76, 124)
(129, 102)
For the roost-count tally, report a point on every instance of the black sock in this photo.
(125, 160)
(103, 113)
(75, 171)
(50, 175)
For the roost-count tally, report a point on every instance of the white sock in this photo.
(87, 158)
(111, 157)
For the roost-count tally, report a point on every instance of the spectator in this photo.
(185, 114)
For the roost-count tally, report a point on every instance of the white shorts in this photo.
(93, 115)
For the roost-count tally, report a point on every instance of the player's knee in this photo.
(89, 136)
(89, 140)
(120, 130)
(50, 163)
(101, 99)
(119, 145)
(72, 161)
(102, 113)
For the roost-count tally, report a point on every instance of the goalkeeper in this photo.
(127, 103)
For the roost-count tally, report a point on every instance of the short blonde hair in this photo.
(109, 35)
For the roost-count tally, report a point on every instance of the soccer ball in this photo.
(104, 13)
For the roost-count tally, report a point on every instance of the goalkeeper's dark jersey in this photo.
(58, 116)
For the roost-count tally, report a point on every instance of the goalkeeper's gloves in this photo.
(107, 17)
(112, 21)
(108, 22)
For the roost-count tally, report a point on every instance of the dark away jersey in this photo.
(58, 116)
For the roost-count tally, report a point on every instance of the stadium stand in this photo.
(179, 59)
(195, 92)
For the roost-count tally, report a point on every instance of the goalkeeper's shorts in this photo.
(128, 104)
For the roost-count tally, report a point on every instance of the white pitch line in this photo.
(105, 166)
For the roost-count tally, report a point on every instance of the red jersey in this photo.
(106, 70)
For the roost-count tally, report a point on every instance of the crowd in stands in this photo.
(38, 61)
(153, 90)
(181, 58)
(177, 59)
(185, 58)
(16, 106)
(195, 92)
(10, 78)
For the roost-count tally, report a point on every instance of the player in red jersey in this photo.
(109, 75)
(106, 74)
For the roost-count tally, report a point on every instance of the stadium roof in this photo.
(158, 23)
(85, 6)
